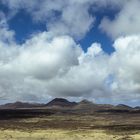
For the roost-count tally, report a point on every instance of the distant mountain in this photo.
(90, 106)
(60, 102)
(123, 107)
(137, 107)
(85, 102)
(83, 106)
(18, 105)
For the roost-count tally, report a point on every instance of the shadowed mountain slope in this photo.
(61, 102)
(17, 105)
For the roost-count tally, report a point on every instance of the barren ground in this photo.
(64, 126)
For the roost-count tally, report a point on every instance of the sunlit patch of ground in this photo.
(63, 135)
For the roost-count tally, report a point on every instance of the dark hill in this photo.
(61, 102)
(85, 104)
(18, 105)
(88, 106)
(123, 107)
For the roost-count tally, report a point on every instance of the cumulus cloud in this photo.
(125, 62)
(6, 35)
(82, 79)
(126, 22)
(47, 66)
(40, 58)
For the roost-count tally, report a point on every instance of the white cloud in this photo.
(125, 64)
(74, 25)
(47, 65)
(126, 22)
(85, 78)
(6, 35)
(45, 58)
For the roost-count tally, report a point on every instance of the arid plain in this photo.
(83, 121)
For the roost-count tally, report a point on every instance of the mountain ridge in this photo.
(62, 103)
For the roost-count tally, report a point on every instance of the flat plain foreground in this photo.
(65, 125)
(64, 135)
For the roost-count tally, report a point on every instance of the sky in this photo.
(74, 49)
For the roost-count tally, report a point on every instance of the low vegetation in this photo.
(64, 126)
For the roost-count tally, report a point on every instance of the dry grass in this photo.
(72, 127)
(63, 135)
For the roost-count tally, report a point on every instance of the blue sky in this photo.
(42, 54)
(24, 27)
